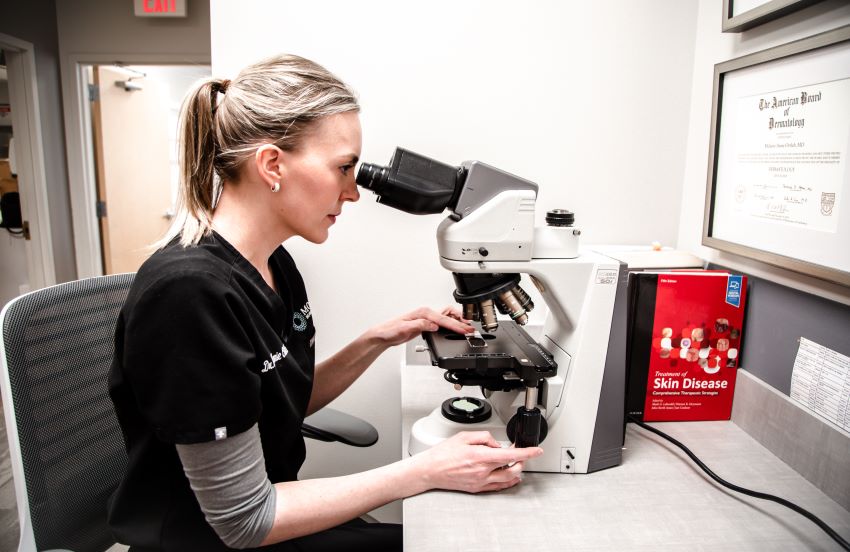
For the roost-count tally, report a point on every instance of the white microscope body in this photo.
(491, 231)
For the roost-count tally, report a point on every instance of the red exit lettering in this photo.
(160, 6)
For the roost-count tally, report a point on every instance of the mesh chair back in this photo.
(57, 349)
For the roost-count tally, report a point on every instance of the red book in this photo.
(684, 342)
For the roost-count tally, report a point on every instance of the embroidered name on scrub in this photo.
(275, 357)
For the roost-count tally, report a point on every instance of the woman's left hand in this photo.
(406, 327)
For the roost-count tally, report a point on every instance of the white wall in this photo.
(713, 47)
(590, 100)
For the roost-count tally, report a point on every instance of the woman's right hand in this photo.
(474, 462)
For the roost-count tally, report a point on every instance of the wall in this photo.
(590, 102)
(35, 22)
(104, 31)
(713, 47)
(120, 32)
(783, 306)
(777, 317)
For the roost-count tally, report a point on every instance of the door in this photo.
(14, 278)
(130, 118)
(26, 246)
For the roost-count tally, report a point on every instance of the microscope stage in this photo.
(508, 348)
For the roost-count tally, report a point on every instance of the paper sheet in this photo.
(821, 381)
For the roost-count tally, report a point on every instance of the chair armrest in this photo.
(332, 425)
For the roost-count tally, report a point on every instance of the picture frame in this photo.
(778, 183)
(756, 12)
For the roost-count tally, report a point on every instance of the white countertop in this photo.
(656, 500)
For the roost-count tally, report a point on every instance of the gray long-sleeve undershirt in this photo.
(230, 482)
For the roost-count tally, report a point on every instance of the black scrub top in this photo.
(204, 349)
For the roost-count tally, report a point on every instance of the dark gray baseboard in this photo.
(815, 448)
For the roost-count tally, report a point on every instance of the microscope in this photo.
(564, 392)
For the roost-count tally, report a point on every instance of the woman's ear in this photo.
(268, 160)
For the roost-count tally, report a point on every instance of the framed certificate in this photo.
(740, 15)
(778, 174)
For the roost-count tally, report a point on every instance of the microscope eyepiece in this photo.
(372, 177)
(413, 183)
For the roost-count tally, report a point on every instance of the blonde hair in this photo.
(274, 101)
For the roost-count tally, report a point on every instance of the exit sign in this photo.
(160, 8)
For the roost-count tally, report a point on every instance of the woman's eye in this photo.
(346, 168)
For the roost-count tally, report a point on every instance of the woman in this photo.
(214, 351)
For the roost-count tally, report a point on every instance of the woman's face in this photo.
(318, 177)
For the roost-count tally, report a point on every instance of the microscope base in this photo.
(434, 428)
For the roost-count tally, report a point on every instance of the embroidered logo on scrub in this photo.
(300, 318)
(275, 357)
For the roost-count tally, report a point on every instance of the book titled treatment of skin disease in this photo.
(684, 344)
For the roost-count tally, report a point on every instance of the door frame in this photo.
(80, 149)
(29, 157)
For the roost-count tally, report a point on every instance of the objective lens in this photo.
(523, 298)
(488, 315)
(372, 177)
(501, 306)
(470, 312)
(515, 309)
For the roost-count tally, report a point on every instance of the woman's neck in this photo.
(249, 227)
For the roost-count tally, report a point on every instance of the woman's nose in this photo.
(351, 191)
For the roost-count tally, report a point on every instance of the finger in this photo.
(425, 325)
(480, 438)
(450, 310)
(450, 323)
(503, 475)
(492, 487)
(421, 312)
(431, 321)
(512, 455)
(445, 319)
(515, 468)
(454, 312)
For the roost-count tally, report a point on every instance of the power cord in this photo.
(764, 496)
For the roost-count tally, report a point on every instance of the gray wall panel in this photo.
(777, 316)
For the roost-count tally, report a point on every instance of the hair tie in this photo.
(223, 85)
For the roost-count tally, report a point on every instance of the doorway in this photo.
(15, 279)
(25, 241)
(134, 118)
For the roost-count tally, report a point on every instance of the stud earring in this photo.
(276, 187)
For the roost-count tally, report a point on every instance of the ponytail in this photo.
(197, 148)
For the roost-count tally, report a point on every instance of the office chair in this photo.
(65, 444)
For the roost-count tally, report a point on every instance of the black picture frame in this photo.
(806, 47)
(767, 11)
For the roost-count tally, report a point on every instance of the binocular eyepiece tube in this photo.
(413, 183)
